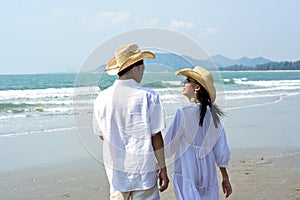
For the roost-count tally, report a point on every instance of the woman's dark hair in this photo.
(124, 71)
(204, 98)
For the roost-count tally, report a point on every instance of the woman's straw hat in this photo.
(203, 77)
(125, 56)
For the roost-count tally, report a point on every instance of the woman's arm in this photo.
(227, 189)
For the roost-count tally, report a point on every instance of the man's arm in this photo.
(158, 146)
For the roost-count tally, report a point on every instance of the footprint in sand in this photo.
(66, 195)
(264, 161)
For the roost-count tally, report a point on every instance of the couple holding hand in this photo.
(129, 119)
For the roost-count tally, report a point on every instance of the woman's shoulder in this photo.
(189, 108)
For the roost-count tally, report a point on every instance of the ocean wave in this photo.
(49, 93)
(285, 89)
(78, 100)
(37, 132)
(237, 97)
(260, 96)
(34, 112)
(26, 104)
(35, 94)
(259, 83)
(175, 83)
(232, 81)
(13, 105)
(15, 116)
(269, 83)
(162, 84)
(277, 99)
(45, 101)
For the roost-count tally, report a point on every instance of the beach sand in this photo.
(254, 173)
(265, 162)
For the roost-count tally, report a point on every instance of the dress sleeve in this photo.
(222, 151)
(173, 135)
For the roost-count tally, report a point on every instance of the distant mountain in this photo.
(170, 60)
(178, 62)
(222, 61)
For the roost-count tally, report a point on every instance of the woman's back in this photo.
(197, 149)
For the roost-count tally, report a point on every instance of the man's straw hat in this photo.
(125, 56)
(203, 77)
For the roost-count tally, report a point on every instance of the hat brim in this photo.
(206, 83)
(112, 67)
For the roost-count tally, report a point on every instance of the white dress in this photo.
(197, 151)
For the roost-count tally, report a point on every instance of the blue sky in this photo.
(58, 35)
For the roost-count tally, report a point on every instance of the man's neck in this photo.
(126, 77)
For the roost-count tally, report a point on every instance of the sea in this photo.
(45, 103)
(47, 118)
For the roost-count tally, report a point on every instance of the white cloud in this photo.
(104, 19)
(181, 24)
(210, 31)
(113, 17)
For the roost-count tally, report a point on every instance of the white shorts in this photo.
(149, 194)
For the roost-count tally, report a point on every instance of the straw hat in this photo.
(125, 56)
(203, 77)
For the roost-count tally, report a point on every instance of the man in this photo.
(129, 118)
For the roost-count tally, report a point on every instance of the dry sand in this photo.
(254, 173)
(262, 174)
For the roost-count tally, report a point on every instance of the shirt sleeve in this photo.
(221, 151)
(96, 126)
(172, 138)
(157, 116)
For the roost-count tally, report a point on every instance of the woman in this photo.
(198, 141)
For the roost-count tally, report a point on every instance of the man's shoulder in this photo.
(148, 90)
(104, 92)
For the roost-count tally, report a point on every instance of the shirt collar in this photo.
(127, 82)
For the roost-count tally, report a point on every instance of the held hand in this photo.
(163, 179)
(227, 190)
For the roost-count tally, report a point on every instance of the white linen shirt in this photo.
(197, 151)
(127, 115)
